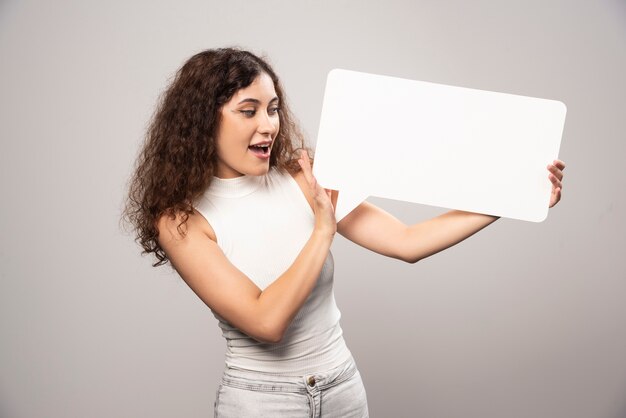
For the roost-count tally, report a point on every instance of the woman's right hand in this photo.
(325, 221)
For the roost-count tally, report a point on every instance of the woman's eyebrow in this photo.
(251, 100)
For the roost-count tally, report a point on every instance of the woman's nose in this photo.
(268, 124)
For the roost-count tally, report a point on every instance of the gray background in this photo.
(521, 320)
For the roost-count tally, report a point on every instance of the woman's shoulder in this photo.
(196, 222)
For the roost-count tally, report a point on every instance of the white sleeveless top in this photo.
(261, 224)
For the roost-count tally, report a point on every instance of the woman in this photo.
(223, 189)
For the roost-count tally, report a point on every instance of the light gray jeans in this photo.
(335, 393)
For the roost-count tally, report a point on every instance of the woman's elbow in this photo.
(269, 335)
(410, 259)
(273, 338)
(267, 339)
(406, 257)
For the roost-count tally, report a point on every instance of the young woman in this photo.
(223, 190)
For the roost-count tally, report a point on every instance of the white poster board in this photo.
(439, 145)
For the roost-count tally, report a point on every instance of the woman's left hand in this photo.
(556, 177)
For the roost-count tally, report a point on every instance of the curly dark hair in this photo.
(178, 158)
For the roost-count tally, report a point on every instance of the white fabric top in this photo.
(261, 224)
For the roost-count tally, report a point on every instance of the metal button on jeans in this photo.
(311, 380)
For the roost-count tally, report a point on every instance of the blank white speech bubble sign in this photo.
(439, 145)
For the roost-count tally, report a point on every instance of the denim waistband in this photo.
(262, 381)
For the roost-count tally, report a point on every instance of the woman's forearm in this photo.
(280, 301)
(427, 238)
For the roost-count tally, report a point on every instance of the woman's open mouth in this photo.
(261, 151)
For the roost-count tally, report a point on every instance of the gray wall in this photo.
(520, 320)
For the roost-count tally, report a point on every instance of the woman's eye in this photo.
(251, 113)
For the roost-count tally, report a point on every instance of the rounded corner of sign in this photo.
(334, 72)
(563, 107)
(542, 217)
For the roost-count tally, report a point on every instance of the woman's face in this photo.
(249, 118)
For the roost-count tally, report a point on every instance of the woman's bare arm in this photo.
(434, 235)
(375, 229)
(379, 231)
(263, 315)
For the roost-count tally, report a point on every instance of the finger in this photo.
(309, 167)
(305, 158)
(306, 167)
(557, 173)
(308, 174)
(555, 181)
(559, 164)
(329, 193)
